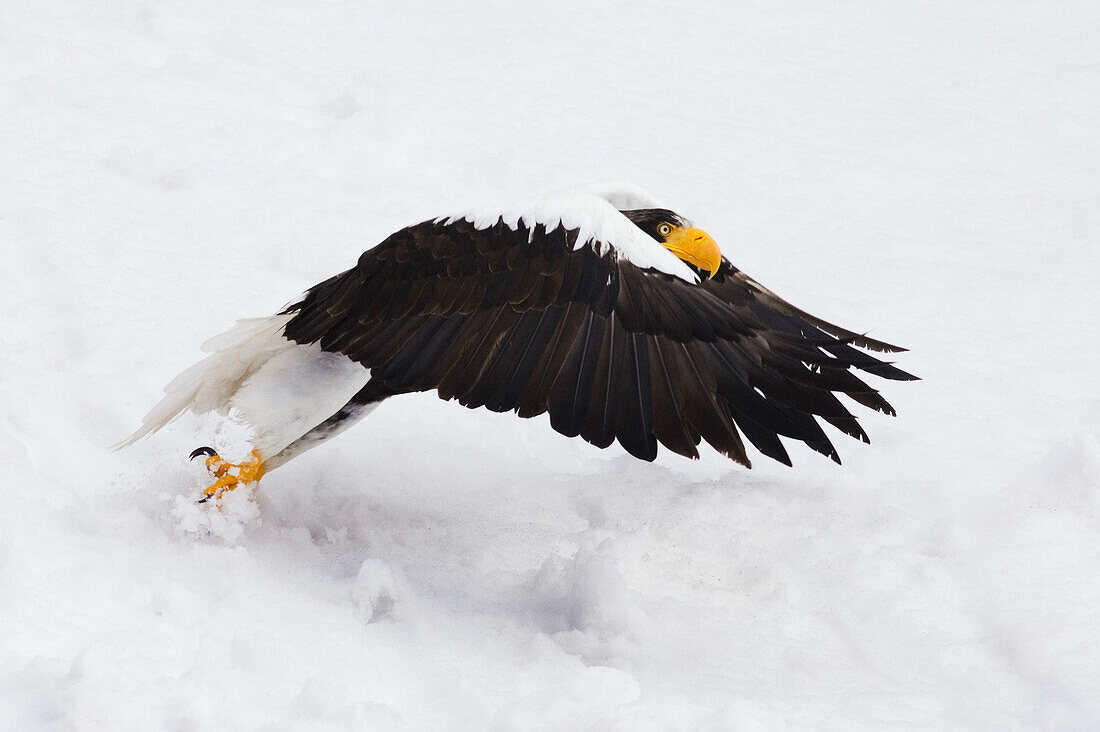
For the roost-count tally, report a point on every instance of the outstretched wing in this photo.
(605, 330)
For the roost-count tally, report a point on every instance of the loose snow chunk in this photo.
(225, 520)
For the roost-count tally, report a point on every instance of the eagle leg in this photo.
(228, 475)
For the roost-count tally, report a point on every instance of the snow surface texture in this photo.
(926, 172)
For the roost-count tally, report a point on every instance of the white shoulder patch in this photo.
(595, 214)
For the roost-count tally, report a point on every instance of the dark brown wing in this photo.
(518, 318)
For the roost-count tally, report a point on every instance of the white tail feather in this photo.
(210, 384)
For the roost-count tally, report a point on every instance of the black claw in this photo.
(204, 499)
(209, 451)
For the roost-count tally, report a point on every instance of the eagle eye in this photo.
(664, 229)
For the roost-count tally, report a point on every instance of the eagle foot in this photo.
(228, 475)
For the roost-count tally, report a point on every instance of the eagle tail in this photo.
(210, 384)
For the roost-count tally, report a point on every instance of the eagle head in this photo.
(693, 245)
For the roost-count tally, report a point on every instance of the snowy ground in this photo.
(928, 172)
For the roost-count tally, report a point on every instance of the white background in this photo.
(925, 172)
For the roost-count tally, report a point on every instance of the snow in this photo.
(926, 173)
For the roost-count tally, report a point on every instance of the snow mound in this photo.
(586, 605)
(381, 592)
(226, 519)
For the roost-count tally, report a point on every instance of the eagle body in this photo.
(612, 314)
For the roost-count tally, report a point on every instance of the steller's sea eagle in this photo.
(616, 316)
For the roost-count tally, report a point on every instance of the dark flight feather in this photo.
(523, 319)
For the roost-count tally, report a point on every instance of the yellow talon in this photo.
(217, 466)
(230, 475)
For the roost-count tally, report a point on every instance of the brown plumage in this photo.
(520, 318)
(618, 319)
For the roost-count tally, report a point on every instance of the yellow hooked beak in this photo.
(697, 247)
